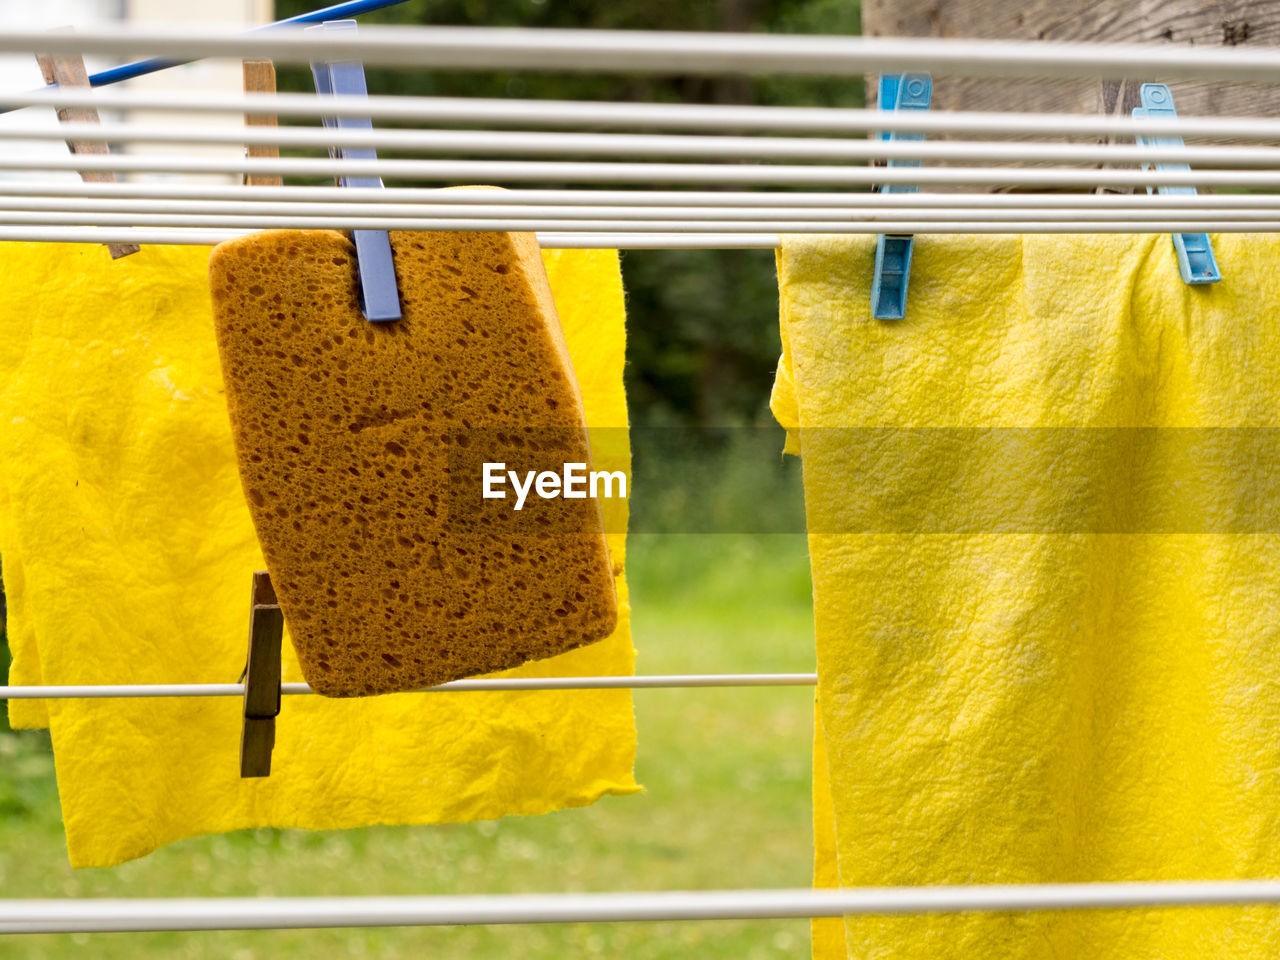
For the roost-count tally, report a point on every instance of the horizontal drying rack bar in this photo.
(428, 213)
(651, 145)
(262, 913)
(486, 111)
(635, 198)
(497, 684)
(1268, 221)
(638, 51)
(649, 173)
(632, 240)
(548, 241)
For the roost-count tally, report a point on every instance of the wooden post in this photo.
(68, 71)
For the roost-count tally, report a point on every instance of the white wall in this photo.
(21, 73)
(221, 76)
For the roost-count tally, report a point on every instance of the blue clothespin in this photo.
(1196, 261)
(898, 91)
(380, 300)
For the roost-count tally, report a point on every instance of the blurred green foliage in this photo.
(703, 338)
(707, 480)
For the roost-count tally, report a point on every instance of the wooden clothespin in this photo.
(260, 77)
(261, 679)
(68, 71)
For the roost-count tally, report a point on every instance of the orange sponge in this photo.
(359, 445)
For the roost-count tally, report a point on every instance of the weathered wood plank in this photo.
(1192, 22)
(1195, 22)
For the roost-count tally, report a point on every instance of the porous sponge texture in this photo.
(347, 435)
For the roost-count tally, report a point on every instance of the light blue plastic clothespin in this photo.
(380, 299)
(898, 91)
(1196, 261)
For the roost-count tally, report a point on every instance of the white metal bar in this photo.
(481, 111)
(658, 241)
(667, 146)
(636, 51)
(727, 199)
(549, 241)
(199, 238)
(553, 240)
(93, 915)
(120, 691)
(343, 213)
(499, 684)
(648, 173)
(870, 224)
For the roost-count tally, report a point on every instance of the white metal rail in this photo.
(682, 146)
(262, 913)
(538, 198)
(833, 215)
(548, 240)
(588, 228)
(492, 685)
(637, 51)
(507, 171)
(489, 112)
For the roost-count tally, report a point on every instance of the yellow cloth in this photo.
(1067, 681)
(127, 553)
(827, 932)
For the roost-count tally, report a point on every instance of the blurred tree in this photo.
(702, 325)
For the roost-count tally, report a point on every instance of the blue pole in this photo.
(338, 11)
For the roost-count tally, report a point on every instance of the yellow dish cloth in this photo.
(127, 554)
(1047, 606)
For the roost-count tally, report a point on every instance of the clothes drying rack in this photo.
(676, 180)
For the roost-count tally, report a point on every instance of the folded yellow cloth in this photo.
(127, 553)
(1048, 621)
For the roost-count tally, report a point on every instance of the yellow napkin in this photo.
(127, 553)
(1052, 650)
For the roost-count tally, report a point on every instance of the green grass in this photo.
(726, 804)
